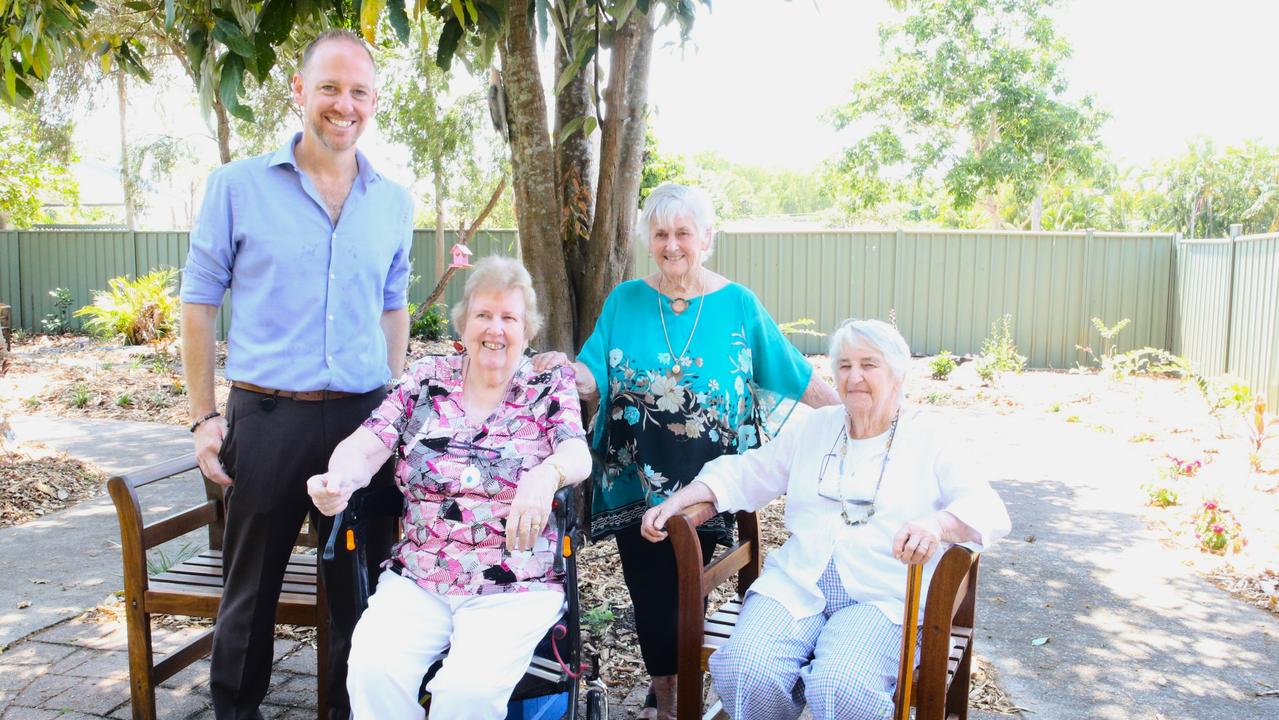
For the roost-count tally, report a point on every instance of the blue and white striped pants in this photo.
(842, 661)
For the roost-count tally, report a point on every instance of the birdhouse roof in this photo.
(460, 248)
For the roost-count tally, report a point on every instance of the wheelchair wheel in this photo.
(596, 704)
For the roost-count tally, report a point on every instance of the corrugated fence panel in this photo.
(10, 280)
(1255, 314)
(485, 243)
(1130, 276)
(82, 262)
(1203, 304)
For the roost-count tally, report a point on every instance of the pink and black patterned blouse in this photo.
(455, 518)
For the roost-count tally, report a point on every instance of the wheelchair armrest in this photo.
(564, 515)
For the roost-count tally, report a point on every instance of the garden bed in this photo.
(36, 481)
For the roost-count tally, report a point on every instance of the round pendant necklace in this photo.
(677, 360)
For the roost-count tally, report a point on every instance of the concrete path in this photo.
(69, 561)
(1133, 633)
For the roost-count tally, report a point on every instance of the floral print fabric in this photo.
(459, 478)
(656, 428)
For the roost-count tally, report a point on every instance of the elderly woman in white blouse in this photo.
(870, 487)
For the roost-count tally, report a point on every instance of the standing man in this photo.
(314, 246)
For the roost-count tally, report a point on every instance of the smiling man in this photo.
(314, 246)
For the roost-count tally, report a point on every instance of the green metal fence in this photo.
(1228, 309)
(1215, 301)
(947, 287)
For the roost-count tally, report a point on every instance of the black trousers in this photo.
(649, 570)
(272, 446)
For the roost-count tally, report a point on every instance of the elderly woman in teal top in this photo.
(685, 365)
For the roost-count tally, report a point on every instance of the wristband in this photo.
(209, 416)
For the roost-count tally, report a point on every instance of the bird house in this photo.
(461, 256)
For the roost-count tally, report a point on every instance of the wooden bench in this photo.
(938, 686)
(194, 588)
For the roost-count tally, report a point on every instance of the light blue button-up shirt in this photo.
(307, 296)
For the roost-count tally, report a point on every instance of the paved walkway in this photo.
(1134, 635)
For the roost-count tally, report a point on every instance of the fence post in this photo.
(1235, 230)
(1174, 297)
(1085, 293)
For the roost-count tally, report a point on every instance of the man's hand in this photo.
(531, 507)
(329, 492)
(208, 443)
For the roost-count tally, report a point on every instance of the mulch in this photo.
(35, 482)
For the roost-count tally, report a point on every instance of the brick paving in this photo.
(80, 669)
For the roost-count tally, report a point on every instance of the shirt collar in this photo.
(286, 156)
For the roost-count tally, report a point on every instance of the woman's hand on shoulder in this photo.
(547, 360)
(918, 540)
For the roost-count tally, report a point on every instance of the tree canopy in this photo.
(971, 92)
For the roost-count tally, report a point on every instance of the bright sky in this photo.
(758, 74)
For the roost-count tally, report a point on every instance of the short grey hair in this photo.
(878, 335)
(670, 200)
(497, 274)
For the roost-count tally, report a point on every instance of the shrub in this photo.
(80, 397)
(942, 365)
(58, 322)
(1217, 529)
(432, 325)
(1160, 495)
(999, 352)
(801, 326)
(137, 311)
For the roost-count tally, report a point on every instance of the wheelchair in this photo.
(556, 669)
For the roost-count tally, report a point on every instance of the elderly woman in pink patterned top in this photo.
(482, 442)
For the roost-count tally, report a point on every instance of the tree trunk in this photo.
(536, 191)
(437, 174)
(224, 131)
(575, 157)
(610, 252)
(1037, 213)
(126, 179)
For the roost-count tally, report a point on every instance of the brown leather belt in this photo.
(305, 395)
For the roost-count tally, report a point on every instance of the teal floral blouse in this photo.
(657, 427)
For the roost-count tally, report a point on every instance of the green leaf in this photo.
(11, 82)
(170, 14)
(399, 20)
(449, 38)
(197, 44)
(490, 17)
(458, 11)
(370, 13)
(566, 77)
(589, 126)
(230, 35)
(263, 60)
(230, 84)
(570, 127)
(276, 20)
(138, 6)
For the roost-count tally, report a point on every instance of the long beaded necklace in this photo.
(867, 505)
(677, 360)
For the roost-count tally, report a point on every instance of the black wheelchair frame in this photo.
(556, 667)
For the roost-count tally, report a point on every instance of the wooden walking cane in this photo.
(910, 624)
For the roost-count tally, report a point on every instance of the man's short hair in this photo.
(334, 34)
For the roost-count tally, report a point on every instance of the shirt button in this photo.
(330, 318)
(330, 358)
(333, 276)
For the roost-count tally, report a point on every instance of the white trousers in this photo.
(490, 640)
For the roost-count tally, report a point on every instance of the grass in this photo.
(160, 561)
(80, 397)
